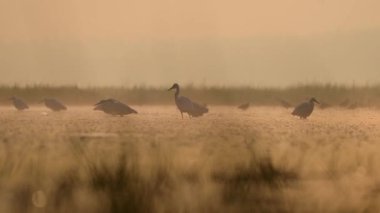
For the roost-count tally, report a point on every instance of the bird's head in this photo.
(314, 100)
(175, 86)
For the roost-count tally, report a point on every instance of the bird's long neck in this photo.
(176, 93)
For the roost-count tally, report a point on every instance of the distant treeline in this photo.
(366, 96)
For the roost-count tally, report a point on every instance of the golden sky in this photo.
(176, 19)
(99, 42)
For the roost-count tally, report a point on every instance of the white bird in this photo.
(305, 109)
(54, 104)
(185, 105)
(114, 107)
(19, 104)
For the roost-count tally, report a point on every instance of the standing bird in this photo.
(185, 105)
(244, 106)
(114, 107)
(54, 104)
(305, 109)
(19, 104)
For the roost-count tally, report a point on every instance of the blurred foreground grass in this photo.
(260, 160)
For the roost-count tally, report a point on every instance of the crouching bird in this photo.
(244, 106)
(114, 107)
(185, 105)
(305, 109)
(54, 104)
(19, 104)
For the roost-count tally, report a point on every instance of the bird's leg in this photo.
(182, 115)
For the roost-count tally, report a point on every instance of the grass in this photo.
(367, 96)
(259, 160)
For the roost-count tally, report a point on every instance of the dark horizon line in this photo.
(192, 85)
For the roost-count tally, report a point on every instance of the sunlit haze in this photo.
(204, 42)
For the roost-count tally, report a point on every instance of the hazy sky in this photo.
(156, 42)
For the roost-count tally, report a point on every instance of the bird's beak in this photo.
(316, 101)
(170, 88)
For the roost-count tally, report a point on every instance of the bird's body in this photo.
(353, 106)
(244, 106)
(348, 104)
(345, 103)
(114, 107)
(285, 104)
(305, 109)
(198, 110)
(19, 104)
(54, 104)
(185, 105)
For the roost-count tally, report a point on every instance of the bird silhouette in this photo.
(349, 104)
(54, 104)
(305, 109)
(114, 107)
(353, 106)
(244, 106)
(185, 105)
(345, 103)
(19, 104)
(285, 104)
